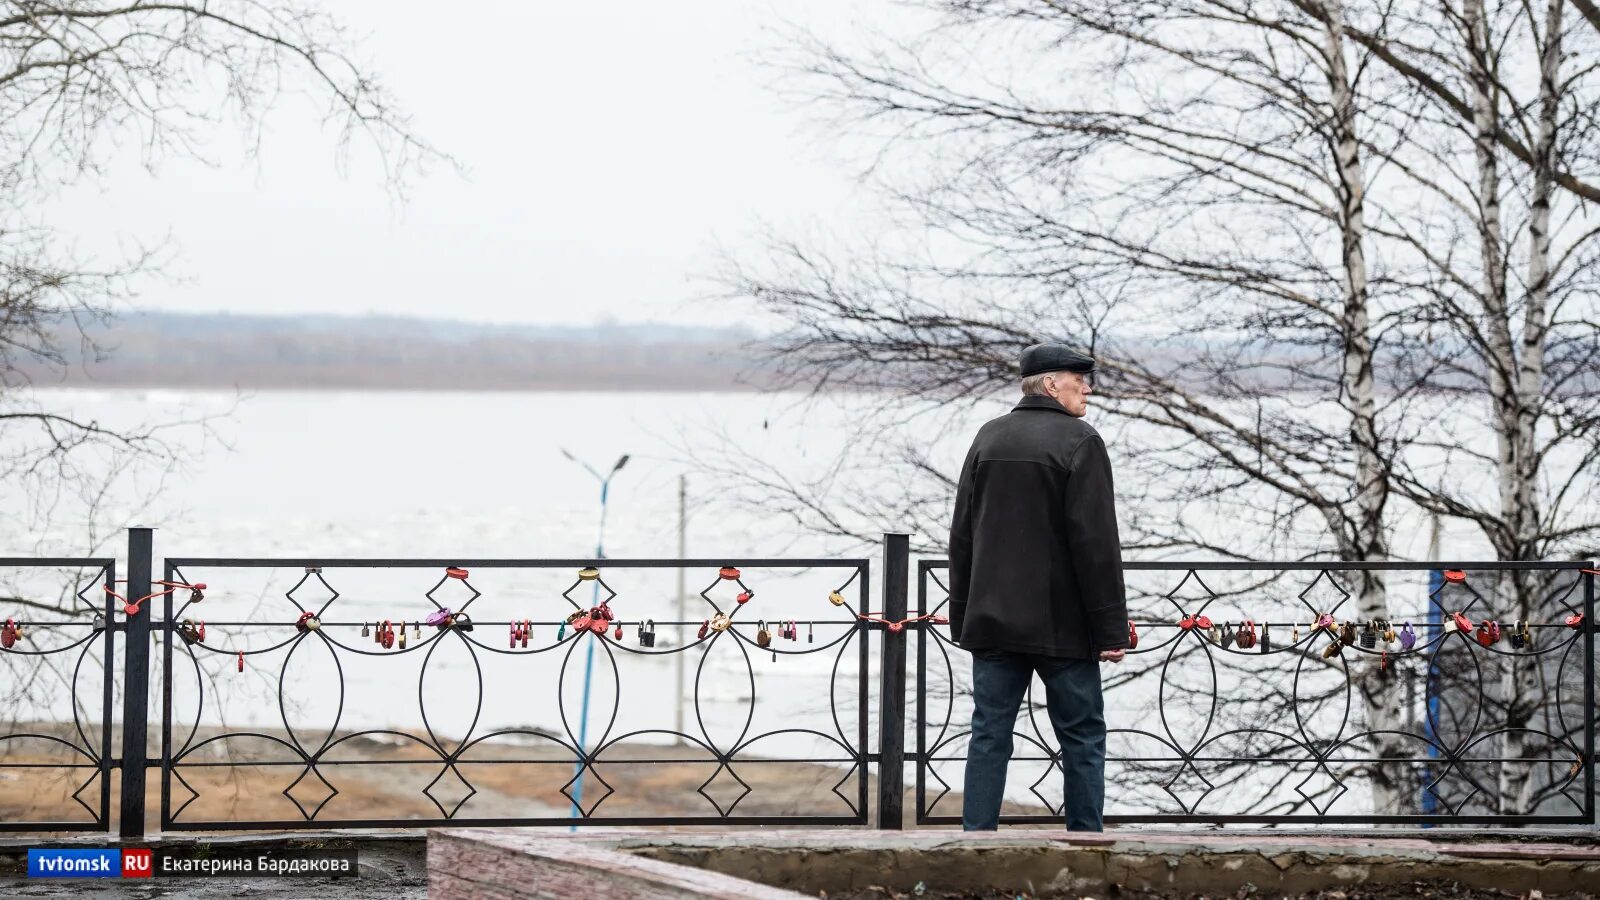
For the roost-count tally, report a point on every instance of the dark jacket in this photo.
(1035, 565)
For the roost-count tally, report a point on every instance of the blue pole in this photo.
(1429, 802)
(588, 663)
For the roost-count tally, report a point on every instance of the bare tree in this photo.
(1235, 205)
(82, 81)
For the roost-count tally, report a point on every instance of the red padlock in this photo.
(1455, 576)
(1186, 623)
(617, 635)
(744, 597)
(456, 572)
(896, 626)
(582, 622)
(705, 628)
(241, 660)
(1202, 622)
(1488, 632)
(8, 634)
(598, 625)
(1463, 624)
(1246, 636)
(386, 634)
(1575, 620)
(728, 573)
(1133, 636)
(527, 631)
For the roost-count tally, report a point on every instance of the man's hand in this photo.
(1114, 656)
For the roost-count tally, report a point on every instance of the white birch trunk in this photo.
(1363, 538)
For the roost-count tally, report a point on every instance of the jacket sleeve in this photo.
(1095, 545)
(961, 545)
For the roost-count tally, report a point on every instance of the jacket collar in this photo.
(1031, 402)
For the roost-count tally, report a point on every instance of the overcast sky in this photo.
(611, 147)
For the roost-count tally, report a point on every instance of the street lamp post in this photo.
(588, 661)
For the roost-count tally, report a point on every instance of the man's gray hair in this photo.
(1033, 385)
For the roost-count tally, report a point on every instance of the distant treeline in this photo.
(382, 352)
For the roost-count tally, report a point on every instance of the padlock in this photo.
(1294, 635)
(705, 627)
(1333, 649)
(811, 632)
(582, 623)
(647, 633)
(1325, 623)
(461, 622)
(588, 573)
(1388, 632)
(416, 629)
(1527, 636)
(190, 632)
(763, 636)
(728, 573)
(836, 598)
(1449, 624)
(1516, 635)
(99, 621)
(744, 597)
(1227, 635)
(386, 634)
(617, 635)
(516, 634)
(1203, 623)
(308, 622)
(197, 593)
(1347, 634)
(527, 631)
(720, 622)
(1246, 638)
(1266, 638)
(365, 631)
(1575, 621)
(1133, 636)
(1383, 664)
(1462, 623)
(8, 634)
(1488, 632)
(440, 618)
(1186, 623)
(241, 660)
(1369, 636)
(402, 635)
(1455, 576)
(456, 572)
(599, 625)
(561, 633)
(1408, 638)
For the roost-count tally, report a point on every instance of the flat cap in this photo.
(1054, 358)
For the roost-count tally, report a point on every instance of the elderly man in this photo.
(1036, 583)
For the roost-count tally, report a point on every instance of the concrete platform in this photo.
(514, 863)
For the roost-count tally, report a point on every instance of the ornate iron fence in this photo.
(1258, 693)
(459, 636)
(73, 629)
(1261, 693)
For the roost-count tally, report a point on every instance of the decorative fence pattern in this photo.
(33, 638)
(578, 622)
(1261, 693)
(1258, 693)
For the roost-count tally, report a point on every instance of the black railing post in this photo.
(1591, 629)
(136, 683)
(892, 683)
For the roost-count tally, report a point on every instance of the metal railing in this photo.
(1451, 708)
(28, 635)
(1311, 720)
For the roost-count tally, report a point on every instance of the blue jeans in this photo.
(1077, 713)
